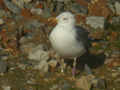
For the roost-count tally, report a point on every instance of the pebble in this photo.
(87, 69)
(53, 63)
(4, 57)
(1, 21)
(99, 83)
(77, 8)
(12, 7)
(3, 66)
(111, 5)
(38, 54)
(46, 12)
(42, 66)
(117, 7)
(22, 66)
(59, 0)
(37, 11)
(83, 83)
(96, 21)
(26, 48)
(2, 13)
(19, 3)
(27, 1)
(24, 39)
(115, 74)
(58, 7)
(66, 86)
(33, 24)
(6, 87)
(116, 20)
(54, 87)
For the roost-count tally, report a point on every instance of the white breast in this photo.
(64, 42)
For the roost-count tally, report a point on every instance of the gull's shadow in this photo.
(93, 61)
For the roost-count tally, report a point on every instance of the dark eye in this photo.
(65, 18)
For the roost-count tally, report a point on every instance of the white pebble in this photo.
(6, 88)
(37, 11)
(1, 21)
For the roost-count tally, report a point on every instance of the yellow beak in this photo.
(52, 21)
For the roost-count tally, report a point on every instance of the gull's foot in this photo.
(87, 69)
(62, 65)
(74, 67)
(73, 71)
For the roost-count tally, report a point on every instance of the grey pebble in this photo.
(37, 11)
(1, 21)
(6, 87)
(66, 86)
(117, 7)
(38, 54)
(3, 66)
(99, 83)
(2, 13)
(33, 24)
(12, 7)
(87, 69)
(96, 21)
(116, 20)
(77, 8)
(19, 3)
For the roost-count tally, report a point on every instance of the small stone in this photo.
(31, 81)
(37, 11)
(3, 66)
(77, 8)
(12, 7)
(52, 63)
(27, 1)
(42, 66)
(59, 0)
(87, 69)
(27, 37)
(19, 3)
(38, 53)
(111, 6)
(46, 12)
(2, 13)
(6, 87)
(117, 80)
(98, 83)
(116, 20)
(115, 74)
(26, 48)
(117, 7)
(54, 87)
(4, 57)
(96, 21)
(66, 86)
(22, 66)
(1, 21)
(83, 83)
(33, 24)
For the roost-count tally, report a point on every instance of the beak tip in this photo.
(52, 21)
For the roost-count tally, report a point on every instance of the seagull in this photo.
(68, 39)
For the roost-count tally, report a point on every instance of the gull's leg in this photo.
(74, 67)
(62, 65)
(87, 69)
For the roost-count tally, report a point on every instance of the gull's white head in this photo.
(66, 18)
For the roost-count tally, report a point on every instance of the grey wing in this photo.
(82, 35)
